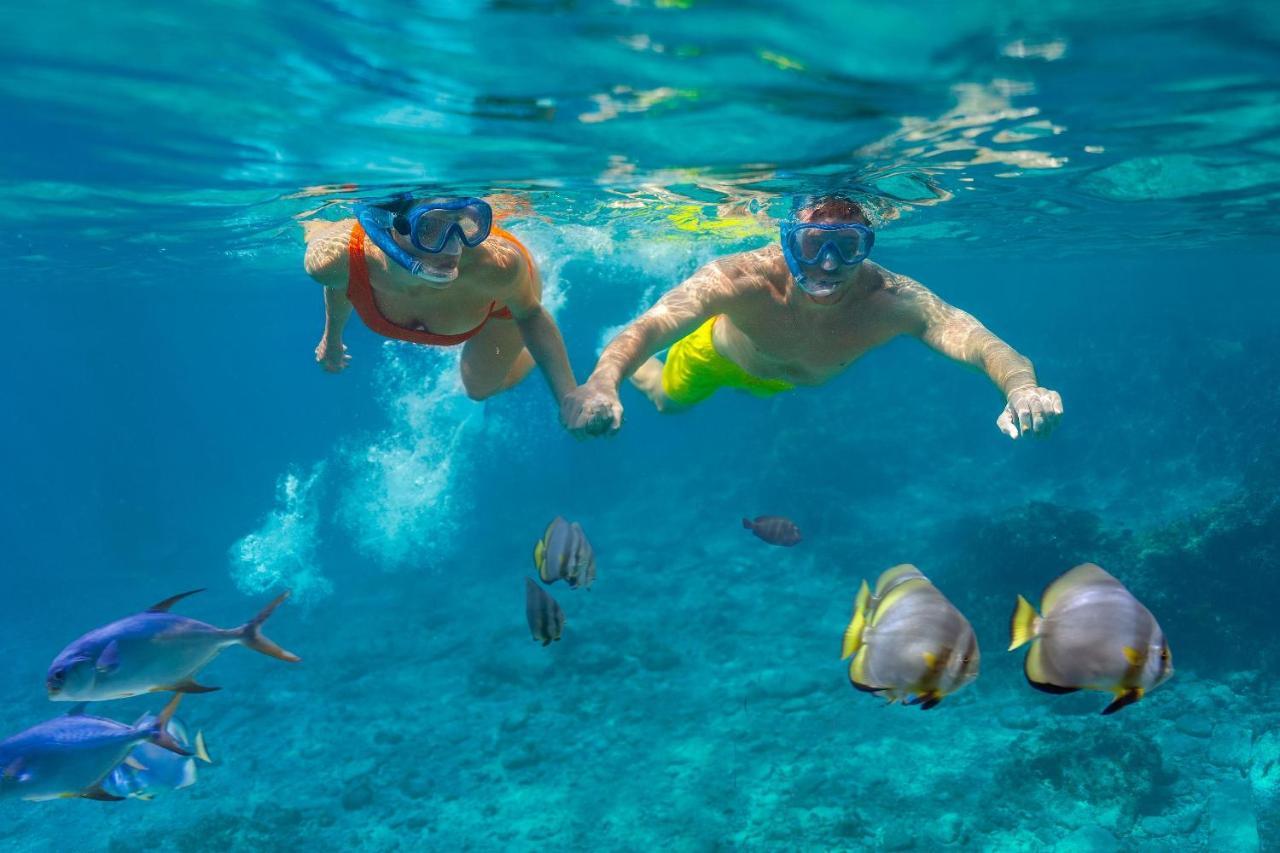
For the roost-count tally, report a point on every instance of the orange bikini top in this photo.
(360, 292)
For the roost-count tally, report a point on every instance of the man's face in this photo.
(829, 276)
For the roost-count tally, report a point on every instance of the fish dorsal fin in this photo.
(77, 710)
(896, 594)
(1084, 574)
(163, 606)
(890, 578)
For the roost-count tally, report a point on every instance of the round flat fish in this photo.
(546, 619)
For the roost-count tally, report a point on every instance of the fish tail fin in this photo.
(251, 633)
(202, 751)
(157, 731)
(747, 525)
(858, 624)
(1025, 624)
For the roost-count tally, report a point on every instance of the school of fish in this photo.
(81, 755)
(905, 640)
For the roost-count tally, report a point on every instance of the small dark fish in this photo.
(564, 552)
(546, 619)
(774, 529)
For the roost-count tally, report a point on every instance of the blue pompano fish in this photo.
(150, 652)
(70, 756)
(149, 769)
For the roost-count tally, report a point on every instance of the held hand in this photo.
(332, 356)
(1031, 409)
(591, 410)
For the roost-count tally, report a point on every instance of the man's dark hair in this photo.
(830, 206)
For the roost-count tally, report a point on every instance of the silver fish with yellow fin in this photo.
(150, 770)
(546, 619)
(565, 552)
(908, 641)
(1094, 635)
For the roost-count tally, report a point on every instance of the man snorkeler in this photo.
(793, 313)
(438, 271)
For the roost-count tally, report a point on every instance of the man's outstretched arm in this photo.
(594, 408)
(958, 335)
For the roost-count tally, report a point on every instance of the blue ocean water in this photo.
(1100, 187)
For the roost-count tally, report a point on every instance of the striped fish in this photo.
(565, 552)
(1094, 635)
(774, 529)
(908, 641)
(546, 619)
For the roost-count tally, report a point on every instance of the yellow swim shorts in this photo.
(694, 370)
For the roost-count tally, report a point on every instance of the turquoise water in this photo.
(1101, 188)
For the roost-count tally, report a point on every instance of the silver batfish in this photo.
(908, 640)
(150, 770)
(565, 552)
(151, 651)
(546, 619)
(1094, 635)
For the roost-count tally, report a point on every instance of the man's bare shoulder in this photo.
(903, 298)
(758, 272)
(326, 256)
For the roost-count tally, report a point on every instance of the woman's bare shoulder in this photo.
(326, 255)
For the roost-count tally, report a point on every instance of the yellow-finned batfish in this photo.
(564, 552)
(908, 640)
(546, 619)
(150, 770)
(1094, 635)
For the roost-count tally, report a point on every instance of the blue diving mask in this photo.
(430, 227)
(809, 244)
